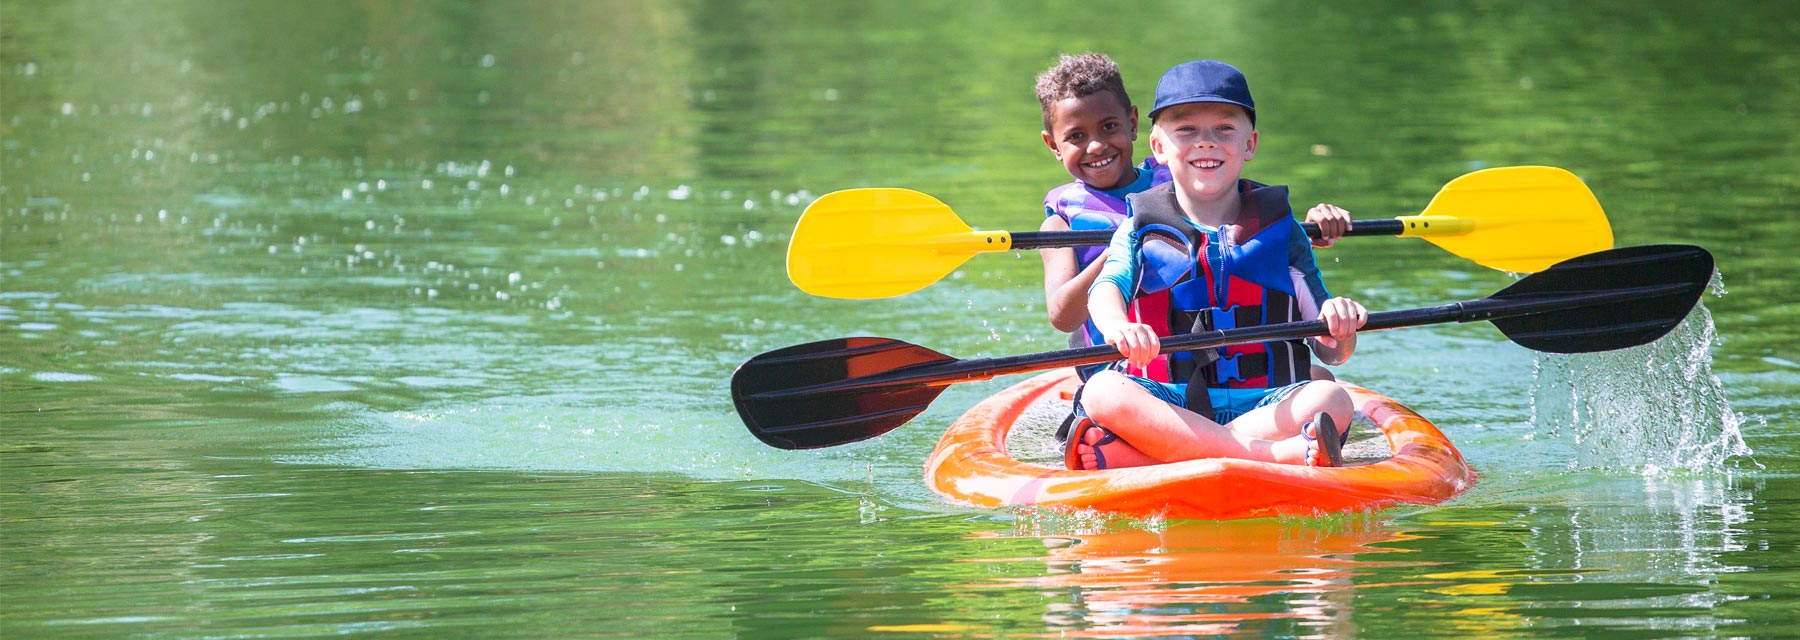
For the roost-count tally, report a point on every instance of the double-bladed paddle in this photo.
(833, 392)
(884, 242)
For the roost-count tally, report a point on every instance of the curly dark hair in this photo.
(1079, 76)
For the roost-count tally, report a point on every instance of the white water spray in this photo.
(1653, 409)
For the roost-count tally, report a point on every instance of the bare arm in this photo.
(1137, 342)
(1065, 288)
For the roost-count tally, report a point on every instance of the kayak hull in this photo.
(970, 466)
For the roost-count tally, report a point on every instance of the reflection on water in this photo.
(1483, 570)
(1262, 577)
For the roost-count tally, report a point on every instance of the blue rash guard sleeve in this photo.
(1120, 268)
(1303, 266)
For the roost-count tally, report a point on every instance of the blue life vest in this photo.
(1237, 283)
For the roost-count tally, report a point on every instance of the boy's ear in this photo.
(1051, 143)
(1156, 146)
(1250, 150)
(1134, 122)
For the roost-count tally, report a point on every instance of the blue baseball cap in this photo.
(1203, 81)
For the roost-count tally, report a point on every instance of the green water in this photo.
(415, 320)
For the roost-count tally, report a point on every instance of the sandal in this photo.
(1078, 430)
(1323, 440)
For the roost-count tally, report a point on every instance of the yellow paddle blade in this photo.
(1517, 219)
(880, 243)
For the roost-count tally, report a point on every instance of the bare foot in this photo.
(1323, 443)
(1098, 448)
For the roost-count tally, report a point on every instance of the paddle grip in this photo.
(1376, 227)
(1051, 239)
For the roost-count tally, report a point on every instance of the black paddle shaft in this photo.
(833, 392)
(972, 369)
(1023, 240)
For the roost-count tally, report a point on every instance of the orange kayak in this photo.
(970, 466)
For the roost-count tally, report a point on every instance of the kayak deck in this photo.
(971, 466)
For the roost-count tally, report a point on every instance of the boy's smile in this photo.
(1092, 135)
(1205, 145)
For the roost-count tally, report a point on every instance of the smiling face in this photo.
(1092, 135)
(1205, 145)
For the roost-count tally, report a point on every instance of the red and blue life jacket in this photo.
(1243, 279)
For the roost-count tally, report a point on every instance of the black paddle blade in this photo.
(1639, 294)
(819, 394)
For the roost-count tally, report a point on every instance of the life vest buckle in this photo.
(1226, 369)
(1222, 318)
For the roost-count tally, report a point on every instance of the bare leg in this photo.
(1168, 433)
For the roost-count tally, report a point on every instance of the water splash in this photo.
(1654, 409)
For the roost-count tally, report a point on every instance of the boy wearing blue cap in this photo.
(1247, 263)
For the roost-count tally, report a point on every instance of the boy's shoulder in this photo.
(1077, 197)
(1158, 172)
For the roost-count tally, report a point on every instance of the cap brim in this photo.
(1195, 99)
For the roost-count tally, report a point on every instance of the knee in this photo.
(1328, 396)
(1104, 393)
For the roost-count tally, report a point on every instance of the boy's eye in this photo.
(1110, 126)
